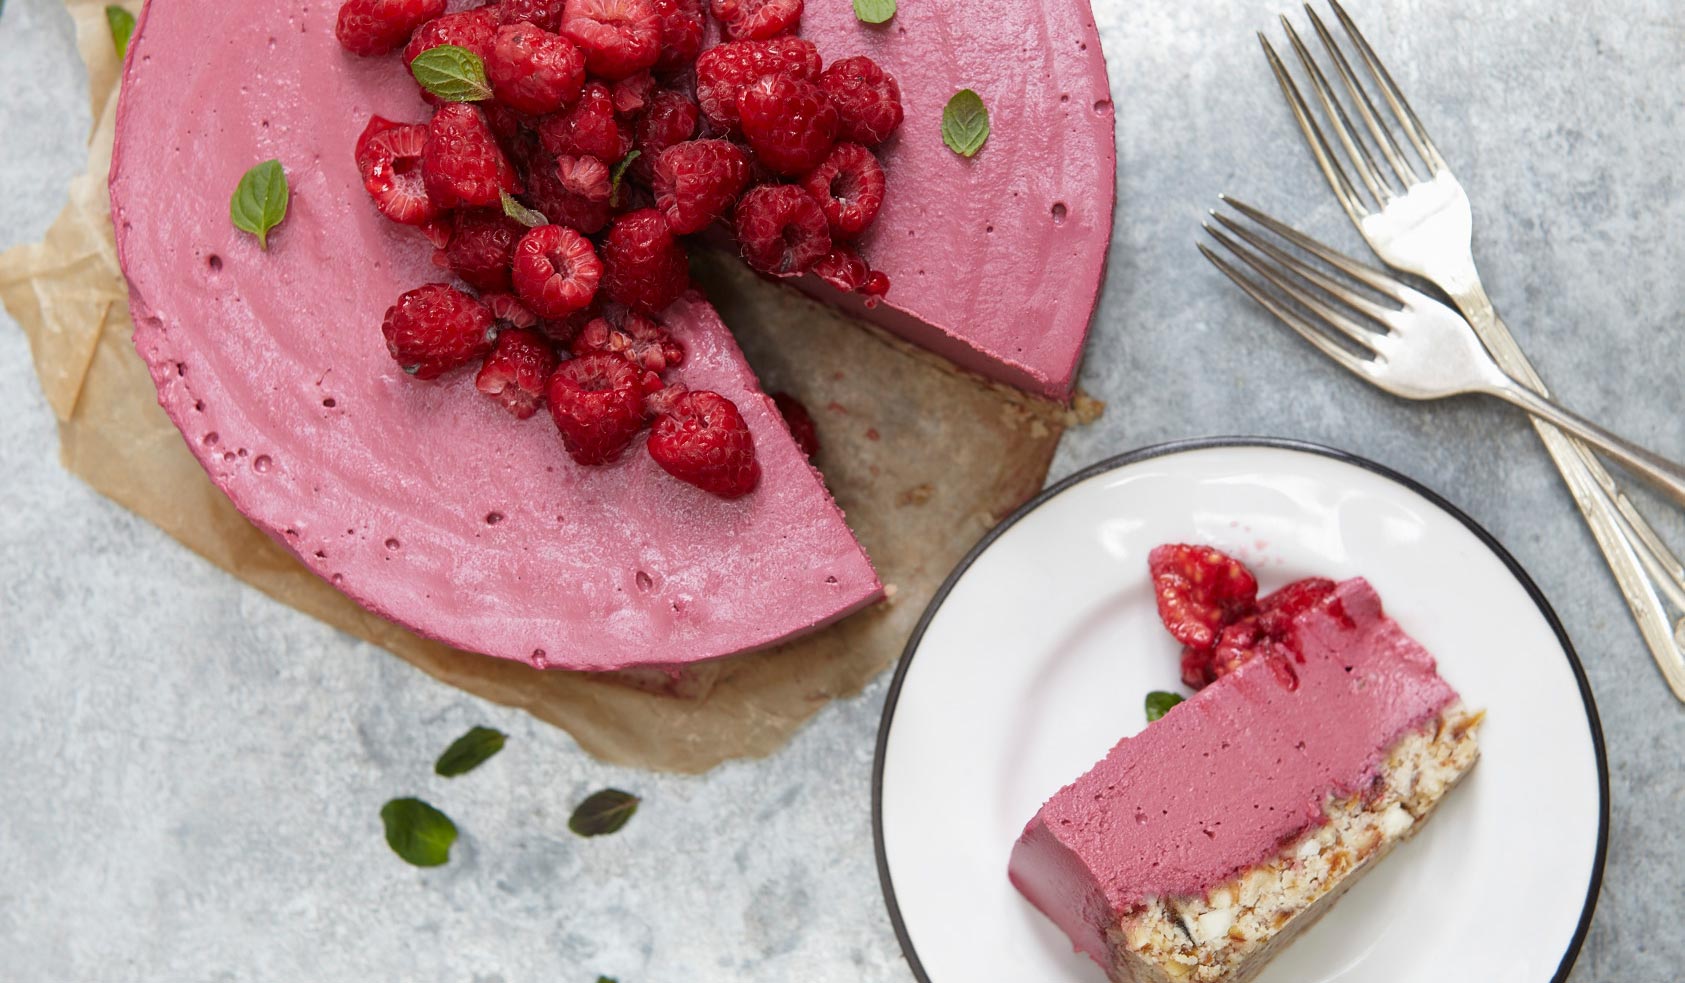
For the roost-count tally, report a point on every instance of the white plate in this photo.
(1035, 657)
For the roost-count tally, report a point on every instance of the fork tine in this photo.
(1413, 127)
(1324, 154)
(1381, 282)
(1354, 332)
(1356, 150)
(1381, 315)
(1300, 326)
(1365, 106)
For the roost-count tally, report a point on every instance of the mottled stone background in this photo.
(190, 773)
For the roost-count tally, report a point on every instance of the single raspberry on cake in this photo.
(1277, 610)
(597, 401)
(472, 29)
(556, 272)
(640, 339)
(790, 124)
(800, 422)
(757, 20)
(867, 98)
(644, 265)
(725, 70)
(697, 181)
(540, 13)
(389, 159)
(781, 229)
(517, 371)
(1200, 591)
(849, 186)
(436, 328)
(844, 268)
(533, 70)
(700, 438)
(619, 37)
(482, 248)
(461, 162)
(682, 26)
(589, 127)
(374, 27)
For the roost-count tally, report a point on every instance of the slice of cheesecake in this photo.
(1199, 848)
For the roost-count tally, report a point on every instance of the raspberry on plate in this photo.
(867, 98)
(790, 124)
(533, 70)
(644, 264)
(1200, 591)
(556, 272)
(389, 159)
(482, 248)
(461, 162)
(517, 370)
(619, 37)
(597, 401)
(374, 27)
(757, 20)
(539, 13)
(849, 186)
(436, 328)
(682, 27)
(800, 422)
(781, 229)
(701, 439)
(723, 71)
(697, 181)
(638, 338)
(590, 127)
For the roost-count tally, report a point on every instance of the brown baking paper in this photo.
(922, 459)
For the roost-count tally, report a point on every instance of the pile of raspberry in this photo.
(562, 198)
(1209, 602)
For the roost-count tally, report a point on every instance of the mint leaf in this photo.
(965, 123)
(618, 173)
(122, 28)
(603, 812)
(417, 832)
(874, 11)
(452, 73)
(260, 200)
(522, 213)
(468, 752)
(1159, 704)
(607, 979)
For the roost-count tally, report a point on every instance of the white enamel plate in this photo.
(1035, 658)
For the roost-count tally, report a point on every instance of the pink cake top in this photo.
(423, 501)
(1224, 779)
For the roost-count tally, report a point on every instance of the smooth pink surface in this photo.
(995, 261)
(425, 502)
(1224, 779)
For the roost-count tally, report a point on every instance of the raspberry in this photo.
(508, 310)
(800, 422)
(790, 125)
(482, 248)
(1277, 610)
(1196, 668)
(1200, 592)
(516, 371)
(682, 25)
(556, 271)
(757, 20)
(546, 14)
(723, 71)
(436, 328)
(877, 286)
(513, 131)
(867, 98)
(638, 338)
(849, 186)
(697, 181)
(670, 118)
(461, 162)
(597, 402)
(588, 128)
(1235, 644)
(781, 229)
(631, 94)
(702, 439)
(571, 192)
(533, 70)
(844, 269)
(619, 37)
(374, 27)
(389, 158)
(644, 265)
(472, 29)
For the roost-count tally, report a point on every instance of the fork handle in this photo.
(1663, 473)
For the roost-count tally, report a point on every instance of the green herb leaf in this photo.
(469, 751)
(522, 213)
(607, 979)
(417, 832)
(452, 73)
(122, 28)
(260, 200)
(604, 812)
(618, 173)
(1159, 703)
(965, 123)
(874, 11)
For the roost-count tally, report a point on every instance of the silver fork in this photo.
(1417, 348)
(1424, 227)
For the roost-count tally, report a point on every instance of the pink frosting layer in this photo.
(425, 502)
(1224, 779)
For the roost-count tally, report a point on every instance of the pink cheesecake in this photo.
(1198, 848)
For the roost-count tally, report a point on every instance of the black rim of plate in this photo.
(1274, 443)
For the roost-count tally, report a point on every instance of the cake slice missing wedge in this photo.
(1198, 849)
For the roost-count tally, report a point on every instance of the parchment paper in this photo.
(922, 458)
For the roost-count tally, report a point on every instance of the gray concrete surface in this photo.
(190, 773)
